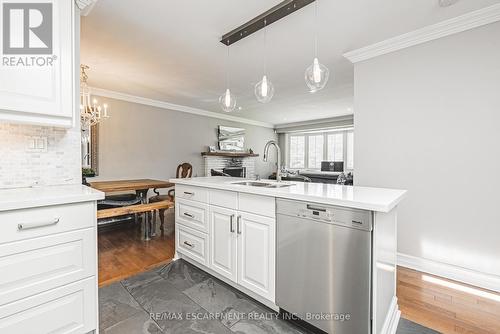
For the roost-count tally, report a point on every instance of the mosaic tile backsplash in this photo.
(22, 165)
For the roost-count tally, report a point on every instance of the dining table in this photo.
(140, 186)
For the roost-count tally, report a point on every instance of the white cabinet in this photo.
(48, 266)
(240, 237)
(223, 241)
(40, 70)
(256, 253)
(70, 309)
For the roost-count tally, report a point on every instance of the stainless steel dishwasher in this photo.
(324, 265)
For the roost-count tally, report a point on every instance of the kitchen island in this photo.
(331, 246)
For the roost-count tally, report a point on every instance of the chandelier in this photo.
(91, 112)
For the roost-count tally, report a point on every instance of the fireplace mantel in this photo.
(230, 154)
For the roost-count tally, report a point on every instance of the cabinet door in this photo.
(223, 242)
(256, 253)
(41, 67)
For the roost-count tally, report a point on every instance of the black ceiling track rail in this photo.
(279, 11)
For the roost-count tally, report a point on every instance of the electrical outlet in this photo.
(36, 144)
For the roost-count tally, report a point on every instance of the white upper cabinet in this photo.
(39, 82)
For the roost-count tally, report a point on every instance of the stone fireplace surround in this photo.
(218, 163)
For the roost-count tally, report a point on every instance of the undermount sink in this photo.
(263, 184)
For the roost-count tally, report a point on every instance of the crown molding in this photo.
(342, 118)
(449, 27)
(176, 107)
(85, 6)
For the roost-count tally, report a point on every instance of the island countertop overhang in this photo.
(364, 198)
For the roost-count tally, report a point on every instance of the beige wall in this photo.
(141, 141)
(427, 120)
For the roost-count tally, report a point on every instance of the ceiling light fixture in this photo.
(264, 89)
(317, 74)
(227, 100)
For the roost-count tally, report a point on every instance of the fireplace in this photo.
(235, 171)
(234, 164)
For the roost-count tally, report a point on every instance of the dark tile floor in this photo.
(181, 299)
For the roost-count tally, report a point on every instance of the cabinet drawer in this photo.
(32, 266)
(192, 243)
(260, 205)
(192, 193)
(224, 198)
(70, 309)
(37, 222)
(192, 214)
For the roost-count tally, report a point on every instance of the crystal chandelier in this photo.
(91, 112)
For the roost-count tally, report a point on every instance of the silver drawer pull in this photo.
(188, 215)
(188, 193)
(231, 224)
(28, 226)
(188, 244)
(238, 225)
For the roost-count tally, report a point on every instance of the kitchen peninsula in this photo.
(302, 248)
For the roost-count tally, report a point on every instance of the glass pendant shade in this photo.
(227, 101)
(264, 90)
(316, 76)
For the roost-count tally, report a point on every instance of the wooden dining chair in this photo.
(184, 170)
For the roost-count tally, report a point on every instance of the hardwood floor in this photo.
(447, 306)
(122, 253)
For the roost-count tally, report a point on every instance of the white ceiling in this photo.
(170, 50)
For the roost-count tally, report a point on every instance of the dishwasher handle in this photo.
(315, 208)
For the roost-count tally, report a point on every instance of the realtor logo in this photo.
(27, 28)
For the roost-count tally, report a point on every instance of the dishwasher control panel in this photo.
(360, 219)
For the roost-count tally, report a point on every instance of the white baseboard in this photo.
(456, 273)
(391, 322)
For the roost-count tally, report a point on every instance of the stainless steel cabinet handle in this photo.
(188, 244)
(315, 208)
(238, 224)
(188, 193)
(27, 226)
(188, 214)
(231, 225)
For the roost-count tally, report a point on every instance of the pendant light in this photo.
(317, 74)
(227, 100)
(264, 89)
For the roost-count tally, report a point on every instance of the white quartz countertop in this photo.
(365, 198)
(22, 198)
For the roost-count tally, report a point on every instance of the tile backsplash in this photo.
(56, 162)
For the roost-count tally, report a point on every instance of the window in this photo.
(350, 150)
(315, 151)
(335, 147)
(296, 155)
(308, 150)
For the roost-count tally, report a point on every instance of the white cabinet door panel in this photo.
(192, 214)
(223, 241)
(192, 243)
(43, 94)
(256, 254)
(70, 309)
(35, 265)
(38, 222)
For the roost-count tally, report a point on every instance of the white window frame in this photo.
(325, 134)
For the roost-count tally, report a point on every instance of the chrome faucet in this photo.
(266, 154)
